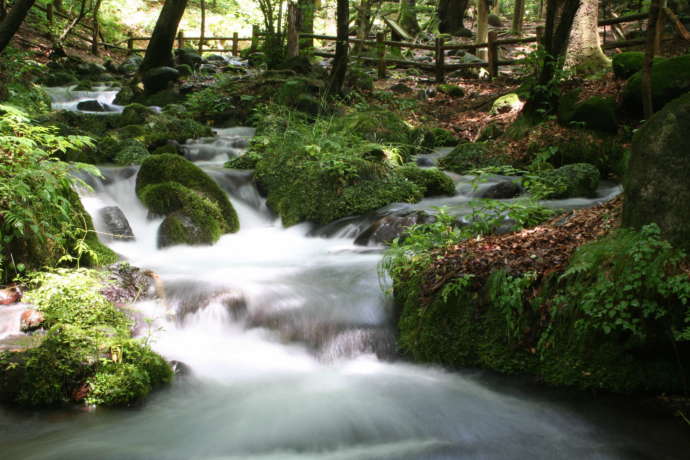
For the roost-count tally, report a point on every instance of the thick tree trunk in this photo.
(306, 22)
(337, 79)
(159, 51)
(451, 14)
(647, 104)
(559, 20)
(13, 20)
(518, 15)
(407, 17)
(585, 55)
(482, 27)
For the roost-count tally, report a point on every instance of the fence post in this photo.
(49, 13)
(540, 35)
(255, 37)
(292, 33)
(440, 58)
(381, 53)
(180, 39)
(492, 56)
(235, 44)
(94, 40)
(130, 44)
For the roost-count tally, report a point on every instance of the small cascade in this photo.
(290, 345)
(10, 316)
(68, 98)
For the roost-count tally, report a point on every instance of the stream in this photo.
(288, 337)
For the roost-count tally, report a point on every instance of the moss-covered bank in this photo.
(609, 315)
(87, 353)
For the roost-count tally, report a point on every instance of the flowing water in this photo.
(290, 347)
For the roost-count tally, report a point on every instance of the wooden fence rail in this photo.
(440, 67)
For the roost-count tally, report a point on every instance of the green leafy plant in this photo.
(628, 281)
(36, 197)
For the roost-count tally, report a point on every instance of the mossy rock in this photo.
(46, 247)
(299, 188)
(451, 90)
(506, 103)
(246, 161)
(184, 69)
(130, 152)
(159, 79)
(626, 64)
(597, 113)
(383, 127)
(435, 137)
(160, 98)
(670, 79)
(60, 79)
(431, 181)
(573, 180)
(163, 127)
(135, 114)
(84, 329)
(471, 155)
(165, 168)
(489, 132)
(301, 65)
(656, 187)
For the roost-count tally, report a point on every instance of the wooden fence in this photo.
(439, 48)
(380, 44)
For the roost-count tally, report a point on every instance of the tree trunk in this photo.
(652, 22)
(3, 10)
(518, 15)
(482, 27)
(585, 55)
(202, 34)
(306, 22)
(159, 51)
(559, 20)
(13, 20)
(451, 14)
(407, 17)
(337, 79)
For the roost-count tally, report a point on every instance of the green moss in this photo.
(507, 102)
(381, 126)
(472, 155)
(79, 349)
(670, 79)
(597, 113)
(435, 137)
(166, 168)
(431, 181)
(246, 161)
(573, 180)
(626, 64)
(451, 90)
(163, 127)
(135, 114)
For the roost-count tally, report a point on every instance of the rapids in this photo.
(288, 336)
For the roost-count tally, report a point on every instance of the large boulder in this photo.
(431, 181)
(670, 79)
(656, 187)
(116, 224)
(388, 228)
(198, 210)
(189, 57)
(597, 113)
(627, 64)
(159, 78)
